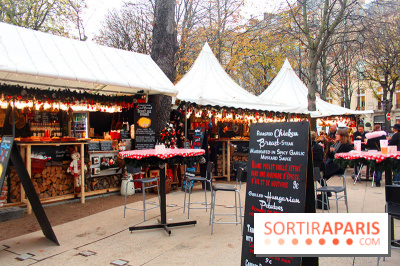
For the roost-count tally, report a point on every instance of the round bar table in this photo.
(153, 157)
(379, 158)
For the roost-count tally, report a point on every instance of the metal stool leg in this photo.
(240, 212)
(213, 212)
(205, 194)
(235, 207)
(144, 201)
(184, 201)
(190, 192)
(126, 192)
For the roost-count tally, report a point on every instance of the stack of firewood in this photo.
(52, 181)
(104, 182)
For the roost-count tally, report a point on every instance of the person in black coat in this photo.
(318, 152)
(373, 143)
(341, 144)
(395, 140)
(359, 135)
(373, 138)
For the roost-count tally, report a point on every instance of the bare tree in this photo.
(382, 49)
(317, 21)
(163, 49)
(129, 28)
(57, 16)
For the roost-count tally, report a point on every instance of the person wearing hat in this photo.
(395, 140)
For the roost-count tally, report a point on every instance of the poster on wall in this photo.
(145, 136)
(198, 140)
(276, 180)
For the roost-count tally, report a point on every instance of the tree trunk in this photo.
(164, 47)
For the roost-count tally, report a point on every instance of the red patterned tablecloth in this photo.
(162, 154)
(376, 156)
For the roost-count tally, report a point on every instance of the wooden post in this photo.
(82, 174)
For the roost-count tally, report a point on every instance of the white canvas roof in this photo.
(207, 83)
(288, 88)
(33, 58)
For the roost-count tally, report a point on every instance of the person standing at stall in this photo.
(395, 141)
(359, 135)
(332, 132)
(318, 152)
(373, 143)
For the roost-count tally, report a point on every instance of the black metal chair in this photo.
(188, 189)
(325, 190)
(392, 193)
(146, 183)
(232, 188)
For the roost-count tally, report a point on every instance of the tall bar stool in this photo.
(232, 188)
(205, 180)
(334, 189)
(146, 183)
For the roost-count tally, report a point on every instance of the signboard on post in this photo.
(388, 116)
(278, 171)
(145, 135)
(8, 149)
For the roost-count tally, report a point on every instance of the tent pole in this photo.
(13, 119)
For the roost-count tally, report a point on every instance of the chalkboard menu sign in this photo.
(5, 151)
(8, 149)
(241, 146)
(198, 140)
(57, 153)
(276, 180)
(37, 117)
(145, 136)
(44, 117)
(94, 146)
(106, 145)
(125, 134)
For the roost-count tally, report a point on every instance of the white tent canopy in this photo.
(207, 83)
(288, 88)
(43, 60)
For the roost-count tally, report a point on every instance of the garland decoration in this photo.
(389, 163)
(68, 96)
(154, 161)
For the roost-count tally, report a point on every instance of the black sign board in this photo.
(125, 134)
(8, 149)
(145, 136)
(45, 117)
(94, 146)
(106, 145)
(241, 146)
(37, 117)
(277, 169)
(198, 139)
(57, 153)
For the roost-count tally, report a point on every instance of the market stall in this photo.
(70, 99)
(212, 99)
(287, 87)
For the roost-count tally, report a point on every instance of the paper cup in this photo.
(392, 149)
(357, 145)
(384, 146)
